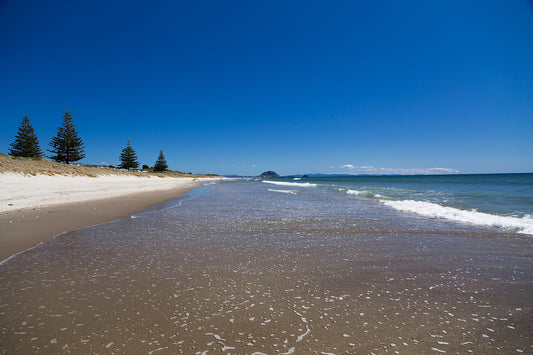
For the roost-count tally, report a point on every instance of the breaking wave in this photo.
(363, 193)
(292, 192)
(521, 225)
(283, 183)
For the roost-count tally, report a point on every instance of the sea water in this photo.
(279, 266)
(498, 200)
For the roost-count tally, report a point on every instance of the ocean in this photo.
(285, 266)
(498, 200)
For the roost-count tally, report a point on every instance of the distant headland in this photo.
(268, 174)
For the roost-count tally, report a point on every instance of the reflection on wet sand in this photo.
(215, 276)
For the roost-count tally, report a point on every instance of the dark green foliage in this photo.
(161, 163)
(268, 174)
(145, 167)
(128, 158)
(66, 145)
(26, 143)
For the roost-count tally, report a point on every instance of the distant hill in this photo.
(268, 174)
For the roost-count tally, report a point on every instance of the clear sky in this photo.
(240, 87)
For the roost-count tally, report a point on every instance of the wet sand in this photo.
(224, 297)
(25, 228)
(226, 273)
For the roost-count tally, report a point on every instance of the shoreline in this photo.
(23, 229)
(245, 270)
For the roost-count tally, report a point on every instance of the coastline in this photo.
(248, 270)
(24, 228)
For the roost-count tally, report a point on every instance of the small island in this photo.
(268, 174)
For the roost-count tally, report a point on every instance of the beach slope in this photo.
(40, 199)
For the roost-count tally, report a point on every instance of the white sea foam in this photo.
(292, 192)
(521, 225)
(362, 193)
(283, 183)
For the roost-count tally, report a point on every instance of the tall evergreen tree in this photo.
(161, 163)
(128, 158)
(26, 143)
(66, 145)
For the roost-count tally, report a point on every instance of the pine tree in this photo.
(26, 143)
(128, 158)
(161, 163)
(66, 145)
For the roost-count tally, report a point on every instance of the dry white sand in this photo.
(18, 191)
(34, 208)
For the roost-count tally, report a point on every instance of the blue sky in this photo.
(240, 87)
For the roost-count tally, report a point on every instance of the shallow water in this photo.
(498, 200)
(241, 269)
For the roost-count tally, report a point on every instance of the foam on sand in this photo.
(521, 225)
(24, 191)
(284, 183)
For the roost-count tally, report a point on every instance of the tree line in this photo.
(67, 147)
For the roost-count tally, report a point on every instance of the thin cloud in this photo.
(444, 170)
(240, 165)
(397, 171)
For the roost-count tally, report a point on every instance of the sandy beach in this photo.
(240, 269)
(35, 208)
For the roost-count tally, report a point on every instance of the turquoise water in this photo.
(500, 200)
(285, 266)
